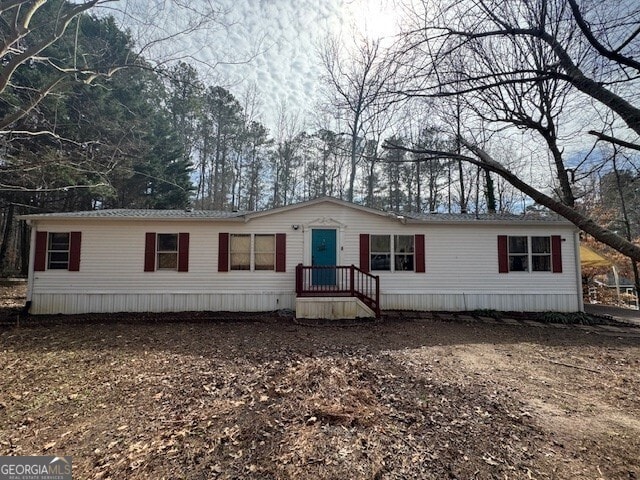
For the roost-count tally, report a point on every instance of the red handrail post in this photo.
(377, 295)
(352, 285)
(298, 279)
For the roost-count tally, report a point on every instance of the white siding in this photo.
(461, 267)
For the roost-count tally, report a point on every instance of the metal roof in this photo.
(484, 217)
(122, 213)
(441, 218)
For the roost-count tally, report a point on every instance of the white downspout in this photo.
(576, 249)
(32, 260)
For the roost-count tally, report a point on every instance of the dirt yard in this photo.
(268, 398)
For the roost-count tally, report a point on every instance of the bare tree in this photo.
(432, 174)
(595, 60)
(356, 80)
(379, 125)
(541, 54)
(540, 106)
(286, 156)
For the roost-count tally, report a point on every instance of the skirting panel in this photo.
(67, 303)
(72, 303)
(458, 302)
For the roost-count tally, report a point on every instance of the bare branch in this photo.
(602, 50)
(17, 188)
(62, 23)
(25, 109)
(484, 160)
(47, 133)
(616, 141)
(629, 113)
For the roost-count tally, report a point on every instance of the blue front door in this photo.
(323, 253)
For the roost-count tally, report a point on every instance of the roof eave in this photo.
(544, 223)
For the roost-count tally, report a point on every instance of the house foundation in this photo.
(332, 308)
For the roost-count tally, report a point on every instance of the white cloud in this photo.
(269, 43)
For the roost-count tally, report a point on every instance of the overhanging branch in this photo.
(484, 160)
(616, 141)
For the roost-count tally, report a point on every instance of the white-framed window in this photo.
(541, 254)
(58, 250)
(167, 251)
(392, 253)
(240, 252)
(403, 256)
(264, 252)
(529, 254)
(518, 254)
(252, 251)
(380, 252)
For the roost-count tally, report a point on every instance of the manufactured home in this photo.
(323, 258)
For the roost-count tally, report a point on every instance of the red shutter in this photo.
(364, 252)
(503, 254)
(40, 260)
(75, 240)
(150, 252)
(556, 254)
(281, 252)
(419, 253)
(183, 252)
(223, 252)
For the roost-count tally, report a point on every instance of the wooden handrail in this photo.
(338, 281)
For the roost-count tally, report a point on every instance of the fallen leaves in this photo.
(242, 400)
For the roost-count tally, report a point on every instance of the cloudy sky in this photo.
(271, 44)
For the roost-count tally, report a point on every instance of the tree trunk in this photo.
(354, 145)
(418, 188)
(371, 182)
(25, 240)
(490, 192)
(566, 193)
(7, 234)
